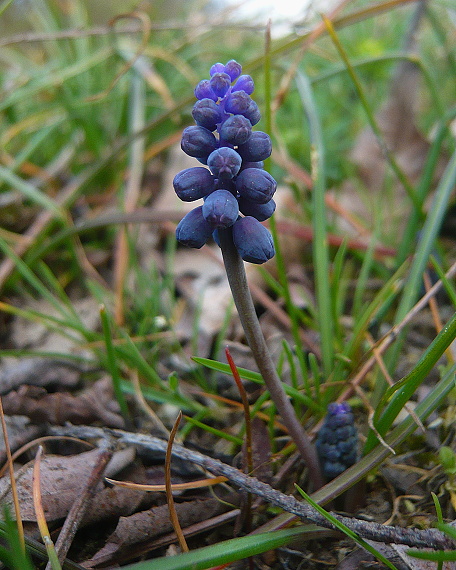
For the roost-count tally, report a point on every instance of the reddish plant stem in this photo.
(248, 459)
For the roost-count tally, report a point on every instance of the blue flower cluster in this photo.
(337, 440)
(236, 190)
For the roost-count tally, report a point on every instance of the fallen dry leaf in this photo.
(62, 480)
(146, 525)
(94, 404)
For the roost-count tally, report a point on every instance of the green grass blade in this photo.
(162, 397)
(370, 115)
(348, 532)
(224, 552)
(30, 192)
(429, 234)
(433, 556)
(425, 245)
(424, 186)
(258, 379)
(319, 223)
(403, 390)
(217, 432)
(112, 364)
(438, 510)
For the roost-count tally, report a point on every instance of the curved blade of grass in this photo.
(217, 432)
(7, 530)
(402, 391)
(30, 191)
(348, 532)
(429, 234)
(225, 552)
(319, 223)
(40, 516)
(433, 556)
(370, 115)
(15, 557)
(162, 397)
(51, 323)
(438, 510)
(425, 183)
(29, 276)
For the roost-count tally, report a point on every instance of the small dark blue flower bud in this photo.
(220, 83)
(236, 130)
(204, 90)
(224, 162)
(238, 102)
(244, 83)
(234, 69)
(337, 440)
(221, 209)
(198, 142)
(253, 113)
(259, 211)
(252, 240)
(256, 185)
(193, 230)
(193, 183)
(257, 148)
(207, 113)
(217, 68)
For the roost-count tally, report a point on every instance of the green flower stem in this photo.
(237, 280)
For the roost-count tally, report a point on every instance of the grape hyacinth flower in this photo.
(223, 140)
(237, 196)
(337, 440)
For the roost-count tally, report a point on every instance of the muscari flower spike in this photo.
(236, 189)
(337, 440)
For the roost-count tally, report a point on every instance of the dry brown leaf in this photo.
(146, 525)
(62, 480)
(94, 404)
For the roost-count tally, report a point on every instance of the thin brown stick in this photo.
(76, 33)
(169, 489)
(80, 506)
